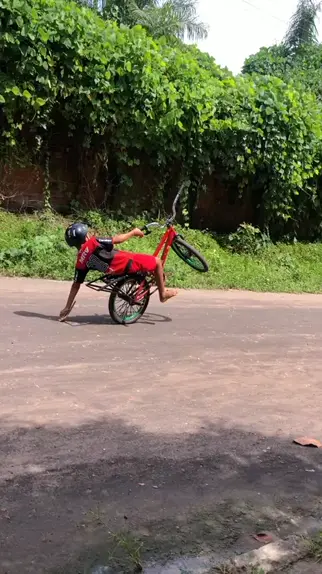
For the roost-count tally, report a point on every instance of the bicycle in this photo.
(134, 290)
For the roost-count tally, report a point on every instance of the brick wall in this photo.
(218, 208)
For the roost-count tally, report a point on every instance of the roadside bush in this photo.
(247, 239)
(36, 248)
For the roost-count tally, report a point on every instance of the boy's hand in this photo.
(126, 236)
(65, 312)
(137, 232)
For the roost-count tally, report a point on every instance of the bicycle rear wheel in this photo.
(189, 255)
(129, 300)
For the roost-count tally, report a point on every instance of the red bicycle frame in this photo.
(165, 244)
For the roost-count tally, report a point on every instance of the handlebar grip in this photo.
(146, 230)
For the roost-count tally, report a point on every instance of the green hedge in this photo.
(117, 91)
(303, 66)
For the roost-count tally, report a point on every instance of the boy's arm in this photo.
(126, 236)
(79, 278)
(70, 301)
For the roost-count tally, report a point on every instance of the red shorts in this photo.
(141, 263)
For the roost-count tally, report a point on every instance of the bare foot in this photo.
(169, 293)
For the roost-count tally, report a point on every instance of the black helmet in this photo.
(75, 234)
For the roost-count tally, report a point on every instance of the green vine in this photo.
(109, 87)
(47, 198)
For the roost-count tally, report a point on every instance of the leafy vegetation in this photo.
(127, 98)
(33, 246)
(315, 549)
(304, 67)
(297, 62)
(247, 239)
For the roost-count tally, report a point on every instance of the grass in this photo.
(316, 548)
(121, 555)
(124, 554)
(33, 246)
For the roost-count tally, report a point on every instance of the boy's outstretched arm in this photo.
(71, 298)
(126, 236)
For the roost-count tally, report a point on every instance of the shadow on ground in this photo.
(111, 492)
(78, 320)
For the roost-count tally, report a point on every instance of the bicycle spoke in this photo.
(122, 310)
(126, 308)
(130, 300)
(123, 306)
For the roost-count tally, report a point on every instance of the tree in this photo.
(171, 18)
(159, 17)
(302, 27)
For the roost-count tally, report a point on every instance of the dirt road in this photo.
(175, 432)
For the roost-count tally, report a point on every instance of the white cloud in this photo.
(238, 28)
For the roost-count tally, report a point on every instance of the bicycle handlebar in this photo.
(154, 224)
(176, 199)
(148, 226)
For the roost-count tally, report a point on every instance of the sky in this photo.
(239, 28)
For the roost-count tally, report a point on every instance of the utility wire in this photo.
(268, 13)
(264, 11)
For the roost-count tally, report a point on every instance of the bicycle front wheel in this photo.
(189, 255)
(129, 300)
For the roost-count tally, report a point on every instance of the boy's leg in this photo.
(164, 294)
(142, 263)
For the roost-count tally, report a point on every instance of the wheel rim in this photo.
(195, 262)
(190, 257)
(123, 307)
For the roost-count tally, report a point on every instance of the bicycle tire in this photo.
(122, 317)
(189, 255)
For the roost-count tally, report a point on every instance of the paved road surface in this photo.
(178, 429)
(304, 567)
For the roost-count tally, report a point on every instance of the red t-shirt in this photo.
(96, 254)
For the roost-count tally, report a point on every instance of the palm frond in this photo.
(160, 17)
(191, 26)
(159, 21)
(179, 16)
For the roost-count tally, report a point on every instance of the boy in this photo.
(98, 253)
